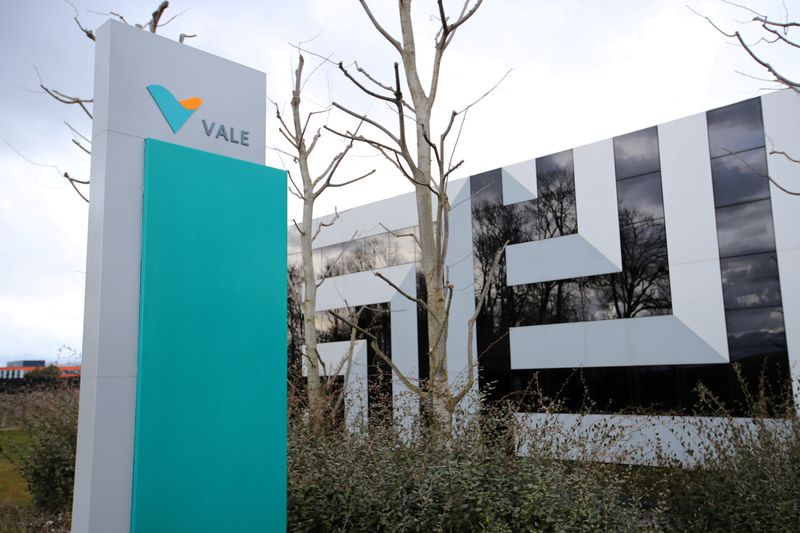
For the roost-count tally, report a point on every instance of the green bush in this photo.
(48, 461)
(474, 482)
(747, 477)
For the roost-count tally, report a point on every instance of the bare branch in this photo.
(419, 301)
(369, 121)
(386, 35)
(153, 24)
(784, 154)
(363, 88)
(76, 132)
(108, 14)
(63, 98)
(82, 147)
(374, 343)
(795, 86)
(327, 224)
(762, 174)
(395, 234)
(487, 283)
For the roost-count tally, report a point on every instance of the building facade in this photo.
(638, 268)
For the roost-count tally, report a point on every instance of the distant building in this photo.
(33, 362)
(19, 369)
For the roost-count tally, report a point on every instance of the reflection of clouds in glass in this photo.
(636, 153)
(740, 177)
(486, 188)
(750, 281)
(403, 247)
(558, 162)
(755, 331)
(641, 195)
(735, 128)
(745, 228)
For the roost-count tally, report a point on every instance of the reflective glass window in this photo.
(486, 189)
(745, 228)
(316, 256)
(735, 128)
(554, 212)
(365, 254)
(330, 260)
(740, 177)
(403, 247)
(753, 332)
(640, 198)
(554, 167)
(644, 245)
(636, 153)
(750, 281)
(292, 240)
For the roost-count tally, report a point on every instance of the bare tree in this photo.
(426, 159)
(308, 190)
(78, 139)
(771, 33)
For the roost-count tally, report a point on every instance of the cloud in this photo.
(583, 71)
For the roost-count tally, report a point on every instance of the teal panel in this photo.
(210, 444)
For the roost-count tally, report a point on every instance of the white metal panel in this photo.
(656, 340)
(519, 182)
(781, 111)
(232, 94)
(596, 198)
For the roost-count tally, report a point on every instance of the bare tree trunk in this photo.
(316, 405)
(308, 192)
(428, 167)
(431, 258)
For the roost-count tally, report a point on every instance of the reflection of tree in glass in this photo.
(295, 323)
(362, 255)
(554, 212)
(642, 288)
(375, 320)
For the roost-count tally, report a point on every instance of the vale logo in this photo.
(177, 112)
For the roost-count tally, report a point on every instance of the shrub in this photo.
(48, 461)
(747, 477)
(385, 481)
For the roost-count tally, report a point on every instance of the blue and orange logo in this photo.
(177, 112)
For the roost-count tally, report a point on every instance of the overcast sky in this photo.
(582, 71)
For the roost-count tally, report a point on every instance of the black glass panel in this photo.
(745, 228)
(740, 177)
(636, 153)
(750, 281)
(557, 166)
(754, 332)
(486, 188)
(640, 198)
(735, 128)
(554, 212)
